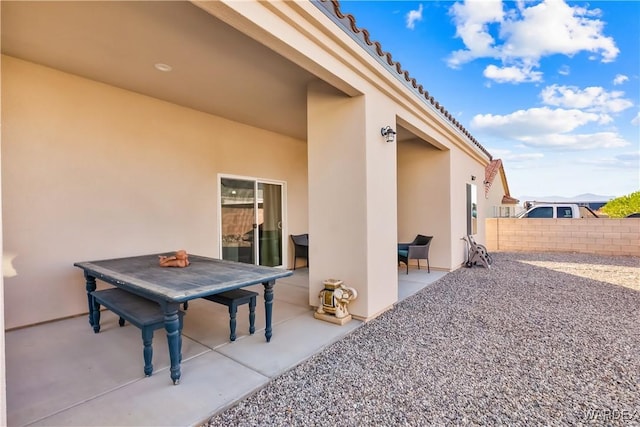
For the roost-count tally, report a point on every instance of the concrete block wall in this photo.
(604, 236)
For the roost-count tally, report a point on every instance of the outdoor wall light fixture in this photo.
(473, 177)
(388, 133)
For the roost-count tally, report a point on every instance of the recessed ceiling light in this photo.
(163, 67)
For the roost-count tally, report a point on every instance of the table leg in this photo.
(91, 286)
(268, 307)
(172, 326)
(252, 315)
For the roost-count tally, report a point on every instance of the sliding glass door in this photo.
(270, 215)
(251, 221)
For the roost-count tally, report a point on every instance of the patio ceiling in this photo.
(215, 69)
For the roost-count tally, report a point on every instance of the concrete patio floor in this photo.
(62, 374)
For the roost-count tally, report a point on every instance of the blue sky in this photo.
(550, 87)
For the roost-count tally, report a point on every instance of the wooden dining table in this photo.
(170, 287)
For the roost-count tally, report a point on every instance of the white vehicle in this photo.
(558, 210)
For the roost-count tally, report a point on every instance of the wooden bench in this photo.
(141, 312)
(233, 299)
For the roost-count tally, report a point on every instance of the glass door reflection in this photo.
(238, 220)
(251, 219)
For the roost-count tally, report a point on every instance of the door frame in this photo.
(256, 180)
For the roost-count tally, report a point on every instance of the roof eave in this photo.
(331, 8)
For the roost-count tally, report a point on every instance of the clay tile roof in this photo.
(374, 47)
(508, 200)
(490, 173)
(492, 170)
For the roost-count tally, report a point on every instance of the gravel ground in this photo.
(538, 339)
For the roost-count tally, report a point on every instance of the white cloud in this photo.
(591, 99)
(548, 128)
(564, 70)
(621, 161)
(523, 157)
(511, 157)
(553, 27)
(568, 142)
(527, 34)
(413, 16)
(512, 74)
(605, 119)
(636, 120)
(619, 79)
(532, 122)
(628, 160)
(472, 19)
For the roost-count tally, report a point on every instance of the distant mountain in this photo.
(587, 197)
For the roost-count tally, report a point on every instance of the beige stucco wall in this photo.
(90, 171)
(493, 197)
(118, 173)
(432, 199)
(605, 236)
(462, 168)
(352, 211)
(423, 196)
(337, 59)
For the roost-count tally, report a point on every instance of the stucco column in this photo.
(352, 198)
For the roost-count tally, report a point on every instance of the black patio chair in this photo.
(300, 248)
(418, 249)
